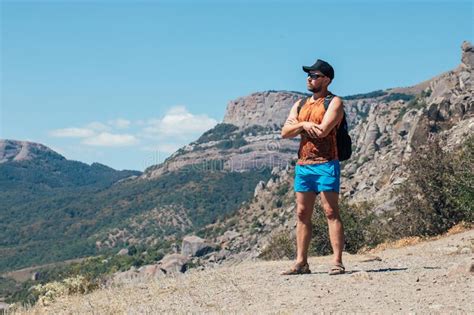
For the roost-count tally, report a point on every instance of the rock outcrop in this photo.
(173, 263)
(196, 246)
(263, 108)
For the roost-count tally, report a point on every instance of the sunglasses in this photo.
(315, 76)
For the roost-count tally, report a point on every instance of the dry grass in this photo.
(409, 241)
(458, 228)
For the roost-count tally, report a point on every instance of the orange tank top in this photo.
(316, 150)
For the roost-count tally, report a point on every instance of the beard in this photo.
(315, 89)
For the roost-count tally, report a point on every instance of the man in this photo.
(317, 170)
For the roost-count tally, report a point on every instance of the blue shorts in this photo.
(318, 177)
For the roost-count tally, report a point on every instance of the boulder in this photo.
(3, 307)
(150, 271)
(228, 236)
(467, 58)
(196, 246)
(174, 263)
(35, 276)
(258, 189)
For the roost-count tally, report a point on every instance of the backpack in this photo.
(343, 140)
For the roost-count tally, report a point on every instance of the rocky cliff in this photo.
(264, 109)
(386, 129)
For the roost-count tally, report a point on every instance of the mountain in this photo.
(38, 188)
(28, 163)
(53, 209)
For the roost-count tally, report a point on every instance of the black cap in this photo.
(322, 66)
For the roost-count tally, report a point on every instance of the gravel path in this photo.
(430, 277)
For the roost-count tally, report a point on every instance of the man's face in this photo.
(316, 81)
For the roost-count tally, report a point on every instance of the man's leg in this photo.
(329, 203)
(304, 211)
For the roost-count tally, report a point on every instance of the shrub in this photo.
(438, 193)
(398, 96)
(219, 132)
(281, 245)
(365, 95)
(361, 228)
(49, 292)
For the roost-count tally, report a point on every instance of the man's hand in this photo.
(291, 121)
(311, 129)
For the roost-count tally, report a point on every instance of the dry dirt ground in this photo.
(429, 277)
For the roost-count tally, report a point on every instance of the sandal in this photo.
(297, 270)
(337, 269)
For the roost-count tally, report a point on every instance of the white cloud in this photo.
(97, 126)
(119, 123)
(167, 134)
(179, 122)
(106, 139)
(71, 133)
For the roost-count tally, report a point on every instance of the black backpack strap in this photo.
(302, 102)
(327, 100)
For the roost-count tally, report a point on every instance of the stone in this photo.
(196, 246)
(369, 258)
(465, 251)
(35, 276)
(174, 263)
(228, 236)
(222, 254)
(3, 307)
(465, 267)
(259, 188)
(361, 275)
(449, 250)
(467, 58)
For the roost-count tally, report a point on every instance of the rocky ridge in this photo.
(13, 150)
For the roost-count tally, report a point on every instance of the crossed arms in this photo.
(331, 118)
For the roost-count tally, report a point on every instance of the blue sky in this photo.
(125, 83)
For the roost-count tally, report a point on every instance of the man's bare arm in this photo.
(293, 127)
(331, 118)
